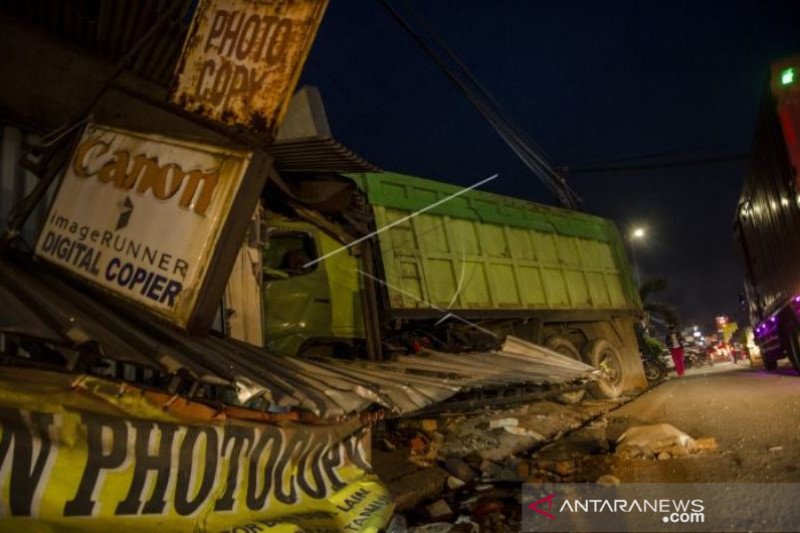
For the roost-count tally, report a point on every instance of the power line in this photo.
(514, 136)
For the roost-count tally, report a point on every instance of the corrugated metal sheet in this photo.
(95, 335)
(111, 28)
(317, 154)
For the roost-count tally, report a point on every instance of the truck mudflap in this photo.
(97, 456)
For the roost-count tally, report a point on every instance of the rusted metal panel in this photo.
(317, 154)
(242, 59)
(111, 28)
(145, 217)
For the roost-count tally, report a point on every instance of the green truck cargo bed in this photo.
(486, 252)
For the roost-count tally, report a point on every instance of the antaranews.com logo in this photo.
(648, 507)
(671, 511)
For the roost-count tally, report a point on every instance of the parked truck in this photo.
(767, 223)
(459, 276)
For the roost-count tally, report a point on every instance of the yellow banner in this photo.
(91, 455)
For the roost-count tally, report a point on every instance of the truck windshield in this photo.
(285, 254)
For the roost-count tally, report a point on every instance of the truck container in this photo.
(767, 222)
(460, 276)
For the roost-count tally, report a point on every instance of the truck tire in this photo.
(769, 363)
(601, 354)
(564, 346)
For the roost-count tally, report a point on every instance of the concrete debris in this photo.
(498, 471)
(424, 448)
(412, 489)
(776, 448)
(454, 483)
(459, 469)
(454, 471)
(660, 441)
(706, 444)
(397, 524)
(565, 468)
(649, 441)
(439, 510)
(507, 446)
(608, 480)
(598, 423)
(503, 423)
(522, 432)
(464, 524)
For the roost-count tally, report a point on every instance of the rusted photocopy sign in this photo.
(242, 58)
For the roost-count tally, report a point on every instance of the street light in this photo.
(637, 234)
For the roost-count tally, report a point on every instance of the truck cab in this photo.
(309, 304)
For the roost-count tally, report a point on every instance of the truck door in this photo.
(297, 302)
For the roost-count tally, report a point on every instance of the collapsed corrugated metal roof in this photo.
(112, 28)
(317, 154)
(61, 326)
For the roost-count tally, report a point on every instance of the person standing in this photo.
(676, 350)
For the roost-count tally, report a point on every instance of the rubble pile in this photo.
(462, 471)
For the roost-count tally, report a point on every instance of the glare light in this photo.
(784, 201)
(787, 76)
(638, 233)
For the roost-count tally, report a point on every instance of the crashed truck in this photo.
(369, 265)
(111, 413)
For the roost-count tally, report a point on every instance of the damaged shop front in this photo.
(114, 414)
(138, 385)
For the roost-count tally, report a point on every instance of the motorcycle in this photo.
(655, 367)
(694, 358)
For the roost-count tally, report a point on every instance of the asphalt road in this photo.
(753, 414)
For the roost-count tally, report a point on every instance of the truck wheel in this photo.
(769, 363)
(601, 354)
(563, 346)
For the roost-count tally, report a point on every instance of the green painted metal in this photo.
(323, 302)
(412, 193)
(484, 251)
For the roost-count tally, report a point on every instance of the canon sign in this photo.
(144, 173)
(153, 220)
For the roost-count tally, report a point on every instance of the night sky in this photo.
(592, 82)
